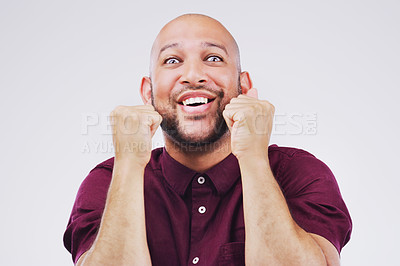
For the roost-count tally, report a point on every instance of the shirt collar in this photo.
(223, 175)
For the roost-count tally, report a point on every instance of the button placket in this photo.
(201, 192)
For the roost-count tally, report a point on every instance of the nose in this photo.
(193, 74)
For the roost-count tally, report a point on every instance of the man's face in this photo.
(194, 75)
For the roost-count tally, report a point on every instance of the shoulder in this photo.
(283, 159)
(292, 158)
(296, 169)
(100, 173)
(287, 152)
(312, 194)
(108, 165)
(94, 188)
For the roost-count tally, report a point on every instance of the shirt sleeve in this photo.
(314, 199)
(87, 212)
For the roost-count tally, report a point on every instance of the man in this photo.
(216, 194)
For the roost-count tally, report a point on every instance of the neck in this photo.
(200, 159)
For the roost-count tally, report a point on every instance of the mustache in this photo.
(218, 92)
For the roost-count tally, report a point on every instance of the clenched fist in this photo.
(250, 122)
(133, 128)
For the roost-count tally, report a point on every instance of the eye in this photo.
(171, 61)
(214, 58)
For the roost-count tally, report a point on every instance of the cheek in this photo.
(163, 87)
(226, 79)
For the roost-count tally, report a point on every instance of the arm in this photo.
(121, 239)
(271, 233)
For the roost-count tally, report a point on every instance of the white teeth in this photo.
(195, 100)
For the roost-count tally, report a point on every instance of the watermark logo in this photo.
(295, 124)
(99, 124)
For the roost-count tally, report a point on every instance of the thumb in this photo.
(155, 121)
(252, 93)
(228, 118)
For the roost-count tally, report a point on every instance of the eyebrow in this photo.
(220, 46)
(204, 44)
(167, 46)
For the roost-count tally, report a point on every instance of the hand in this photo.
(250, 122)
(133, 128)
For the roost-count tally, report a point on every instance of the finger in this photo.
(243, 99)
(154, 122)
(237, 120)
(127, 110)
(235, 115)
(228, 120)
(143, 107)
(243, 105)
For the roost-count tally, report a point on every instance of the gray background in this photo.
(65, 64)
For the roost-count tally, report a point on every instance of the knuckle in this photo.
(234, 100)
(119, 108)
(271, 108)
(146, 107)
(241, 115)
(268, 106)
(118, 111)
(255, 108)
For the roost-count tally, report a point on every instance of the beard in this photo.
(174, 130)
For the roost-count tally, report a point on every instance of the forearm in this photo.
(121, 239)
(272, 236)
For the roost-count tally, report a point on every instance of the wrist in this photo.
(254, 163)
(130, 161)
(253, 157)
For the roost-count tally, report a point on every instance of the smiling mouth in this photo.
(196, 101)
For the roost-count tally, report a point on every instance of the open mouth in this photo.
(196, 101)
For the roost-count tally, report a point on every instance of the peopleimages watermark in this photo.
(295, 124)
(289, 123)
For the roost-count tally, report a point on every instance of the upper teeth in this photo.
(195, 100)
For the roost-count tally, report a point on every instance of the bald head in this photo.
(194, 27)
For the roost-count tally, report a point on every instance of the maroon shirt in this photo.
(197, 218)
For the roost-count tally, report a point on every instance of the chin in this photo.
(203, 132)
(205, 141)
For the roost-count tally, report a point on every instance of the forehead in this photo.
(193, 31)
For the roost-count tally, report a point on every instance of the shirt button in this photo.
(195, 260)
(202, 209)
(201, 180)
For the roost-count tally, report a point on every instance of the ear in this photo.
(245, 82)
(145, 90)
